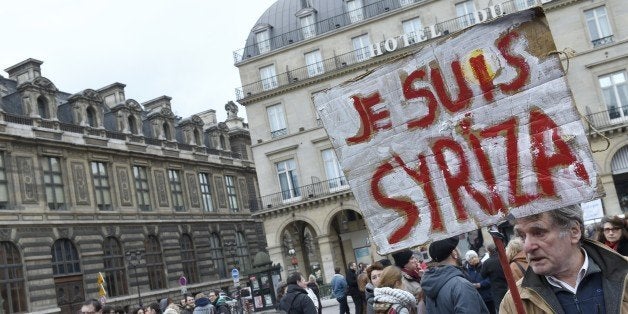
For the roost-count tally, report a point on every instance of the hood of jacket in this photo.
(435, 278)
(295, 288)
(202, 302)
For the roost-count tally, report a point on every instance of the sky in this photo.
(182, 49)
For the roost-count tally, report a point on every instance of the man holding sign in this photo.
(567, 273)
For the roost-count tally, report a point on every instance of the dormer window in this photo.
(166, 130)
(132, 125)
(91, 116)
(263, 41)
(308, 26)
(197, 137)
(354, 8)
(42, 107)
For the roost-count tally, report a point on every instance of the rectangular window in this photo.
(277, 120)
(308, 27)
(354, 8)
(263, 41)
(615, 91)
(206, 191)
(288, 179)
(599, 26)
(53, 183)
(361, 47)
(4, 185)
(269, 78)
(314, 62)
(174, 176)
(141, 188)
(464, 10)
(101, 186)
(413, 29)
(403, 3)
(232, 195)
(334, 174)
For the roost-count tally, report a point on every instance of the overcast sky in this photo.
(180, 48)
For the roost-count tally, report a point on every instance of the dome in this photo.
(282, 21)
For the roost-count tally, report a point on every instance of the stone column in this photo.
(327, 257)
(276, 256)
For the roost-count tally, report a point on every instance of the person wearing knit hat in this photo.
(410, 277)
(446, 288)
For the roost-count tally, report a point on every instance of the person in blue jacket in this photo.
(339, 290)
(473, 269)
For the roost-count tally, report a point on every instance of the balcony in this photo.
(602, 41)
(301, 194)
(363, 55)
(608, 119)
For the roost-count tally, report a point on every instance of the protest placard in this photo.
(461, 133)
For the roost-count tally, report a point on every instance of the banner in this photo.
(461, 133)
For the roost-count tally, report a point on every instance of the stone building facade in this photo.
(298, 48)
(94, 182)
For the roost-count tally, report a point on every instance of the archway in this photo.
(300, 249)
(349, 239)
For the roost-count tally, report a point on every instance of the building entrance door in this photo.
(70, 293)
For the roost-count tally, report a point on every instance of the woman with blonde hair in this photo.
(389, 293)
(517, 258)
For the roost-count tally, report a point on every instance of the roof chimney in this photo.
(157, 103)
(208, 117)
(26, 70)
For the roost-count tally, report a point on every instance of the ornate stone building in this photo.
(298, 48)
(90, 180)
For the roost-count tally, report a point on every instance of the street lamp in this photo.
(293, 259)
(135, 258)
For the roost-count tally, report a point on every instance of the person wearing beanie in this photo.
(410, 278)
(473, 268)
(202, 304)
(446, 288)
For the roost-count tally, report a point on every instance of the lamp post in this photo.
(293, 259)
(135, 258)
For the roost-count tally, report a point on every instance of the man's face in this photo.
(547, 246)
(302, 283)
(189, 300)
(376, 277)
(352, 266)
(212, 296)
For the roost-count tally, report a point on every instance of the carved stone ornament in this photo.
(166, 112)
(44, 83)
(232, 110)
(197, 120)
(133, 105)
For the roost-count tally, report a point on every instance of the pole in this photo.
(498, 239)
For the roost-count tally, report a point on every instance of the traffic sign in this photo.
(235, 273)
(183, 281)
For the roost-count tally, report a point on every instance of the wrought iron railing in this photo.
(341, 61)
(609, 118)
(67, 127)
(116, 135)
(301, 194)
(602, 41)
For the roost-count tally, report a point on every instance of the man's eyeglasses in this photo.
(611, 229)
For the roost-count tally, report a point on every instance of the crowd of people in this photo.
(211, 303)
(556, 269)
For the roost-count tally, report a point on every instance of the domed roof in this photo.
(282, 19)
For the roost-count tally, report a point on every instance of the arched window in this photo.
(223, 144)
(166, 131)
(132, 125)
(42, 107)
(242, 251)
(217, 256)
(115, 271)
(154, 263)
(65, 258)
(197, 137)
(91, 116)
(12, 287)
(188, 259)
